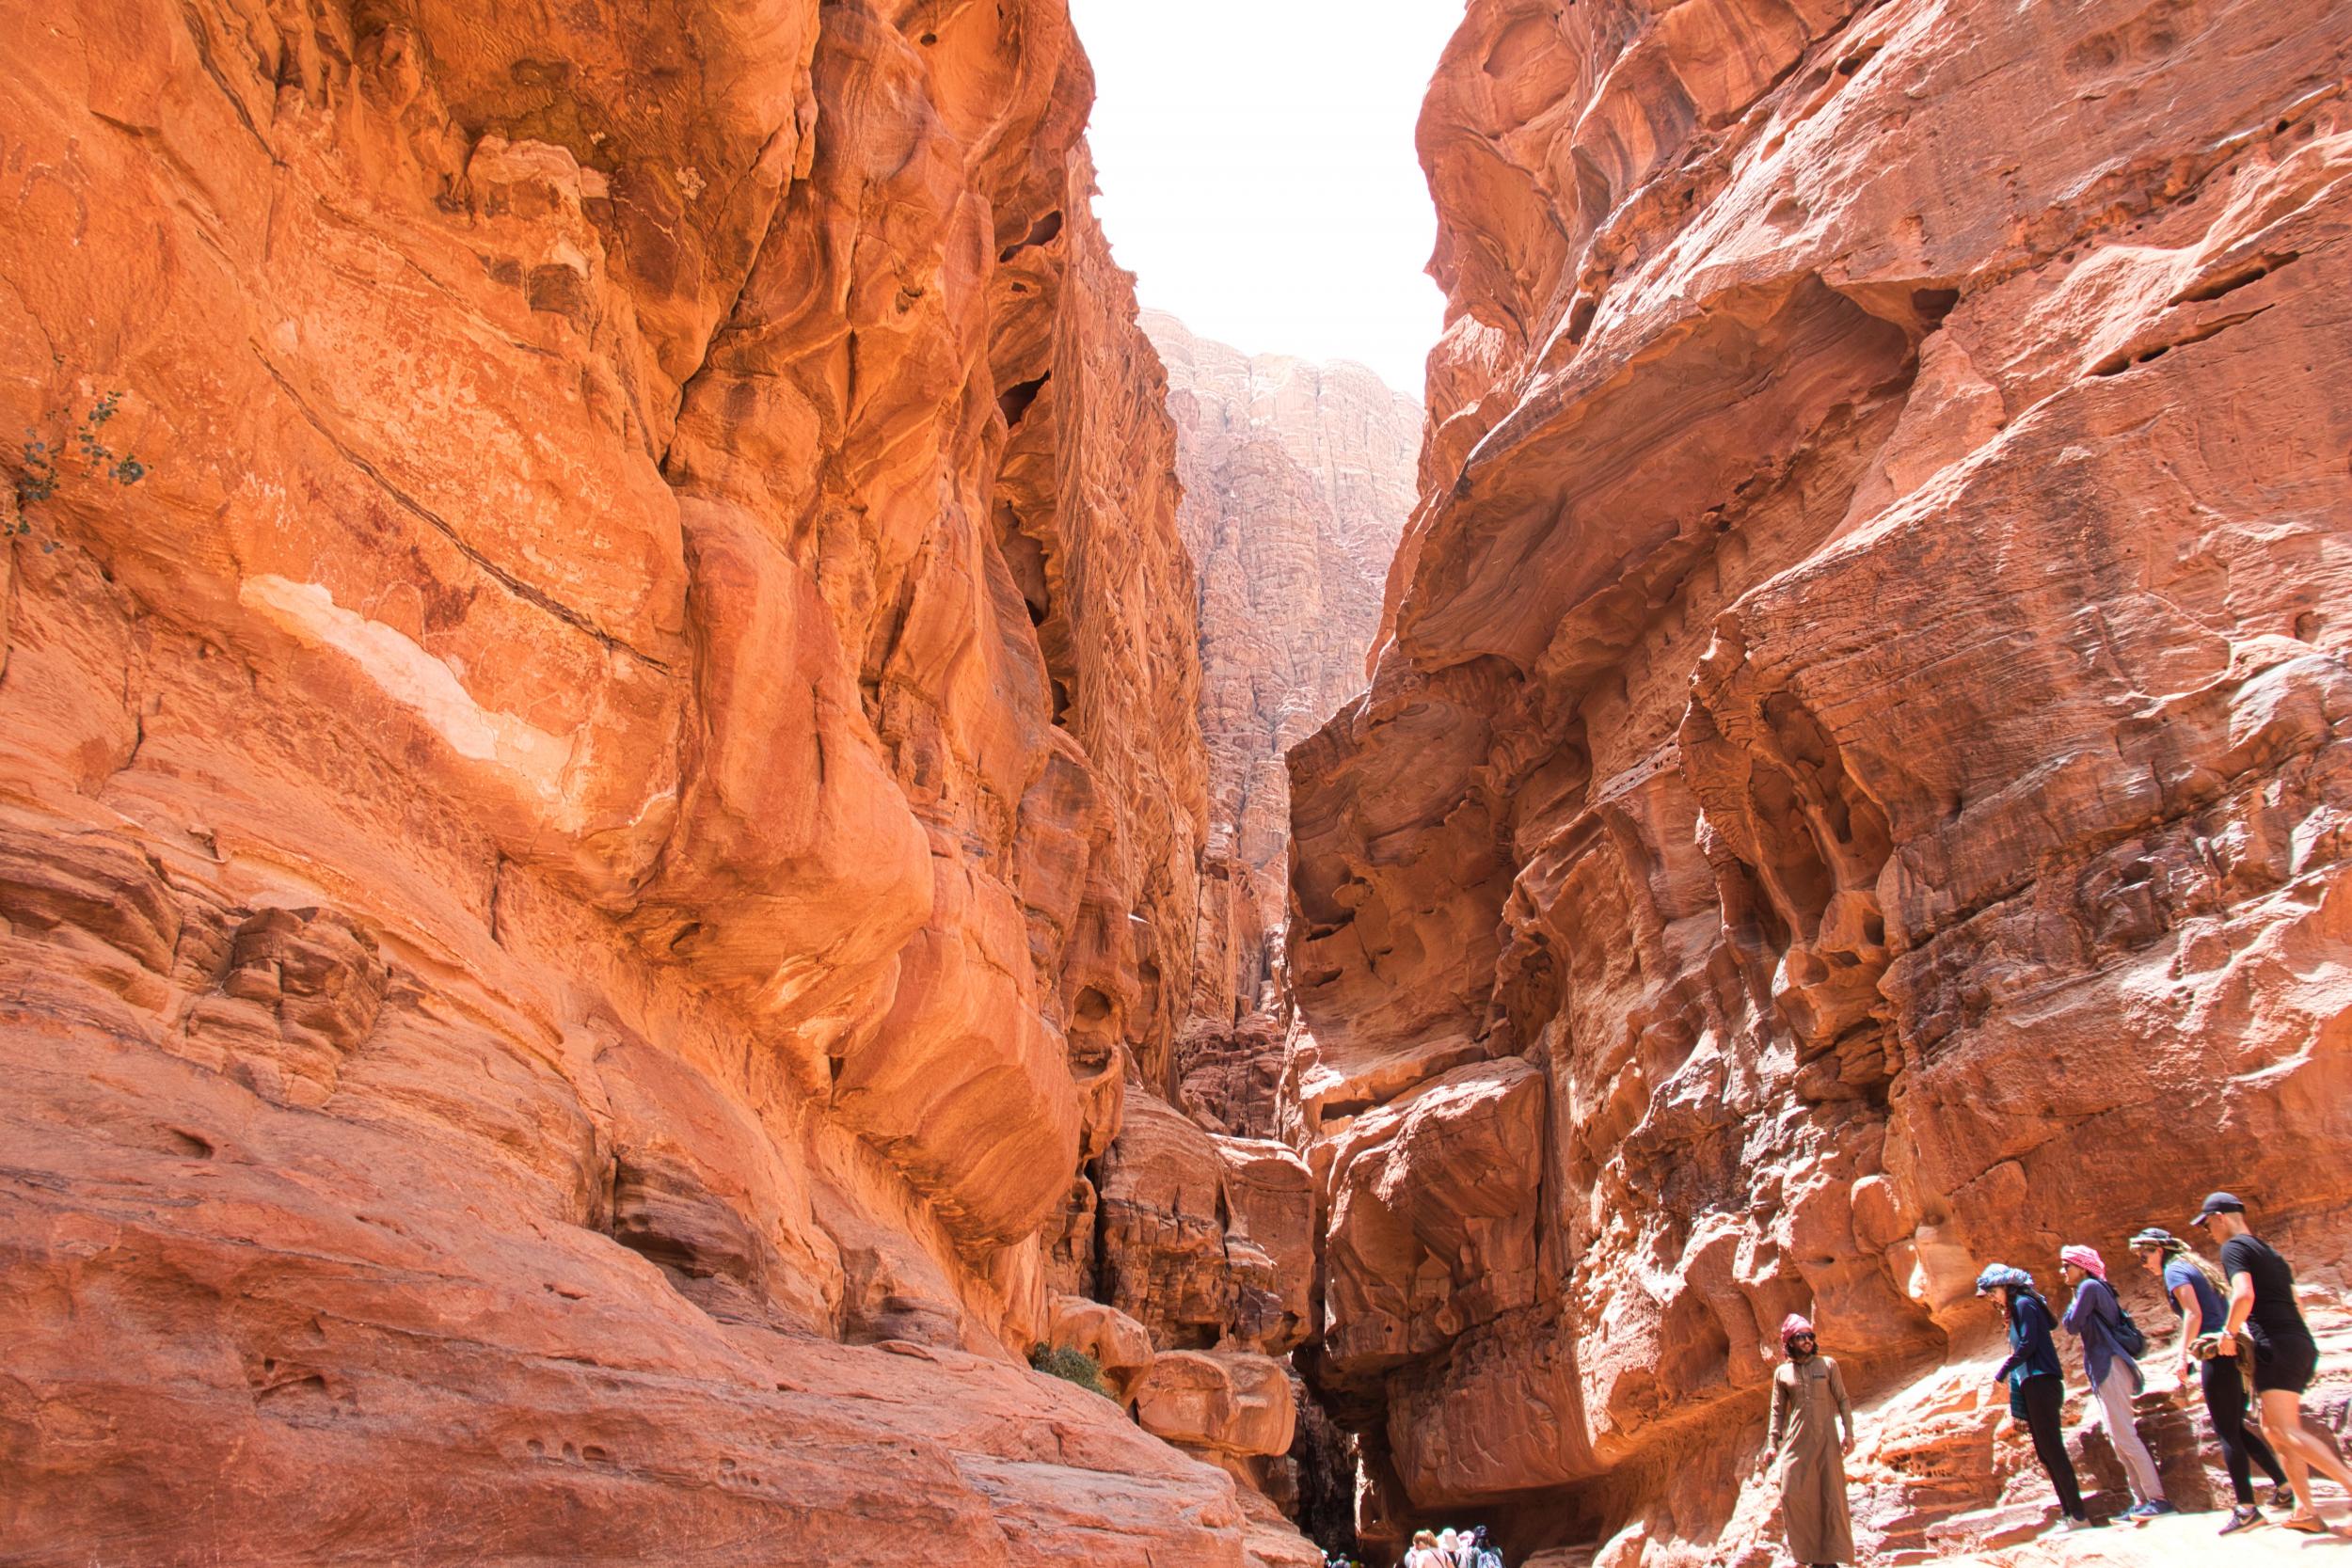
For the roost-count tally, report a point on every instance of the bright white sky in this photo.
(1258, 173)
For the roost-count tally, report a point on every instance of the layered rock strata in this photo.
(599, 785)
(1855, 784)
(1297, 479)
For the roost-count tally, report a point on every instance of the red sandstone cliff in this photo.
(1856, 778)
(1297, 479)
(599, 821)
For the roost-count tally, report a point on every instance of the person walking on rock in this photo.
(2109, 1338)
(2194, 1288)
(1809, 1405)
(2036, 1386)
(2262, 1310)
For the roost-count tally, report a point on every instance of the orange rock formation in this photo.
(605, 817)
(1297, 480)
(1855, 781)
(612, 876)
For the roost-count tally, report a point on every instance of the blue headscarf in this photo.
(2000, 1275)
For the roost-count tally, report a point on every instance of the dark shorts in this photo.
(2284, 1363)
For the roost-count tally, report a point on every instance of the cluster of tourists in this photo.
(2238, 1325)
(1451, 1548)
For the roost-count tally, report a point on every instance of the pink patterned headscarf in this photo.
(1794, 1325)
(2083, 1258)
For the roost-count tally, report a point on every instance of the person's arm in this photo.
(2192, 1319)
(2241, 1308)
(1845, 1405)
(1780, 1418)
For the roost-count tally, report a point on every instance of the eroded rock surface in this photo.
(612, 805)
(1297, 480)
(1856, 763)
(1208, 1242)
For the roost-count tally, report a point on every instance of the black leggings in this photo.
(2044, 1395)
(2225, 1402)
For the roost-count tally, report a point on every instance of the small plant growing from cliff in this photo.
(1070, 1366)
(84, 455)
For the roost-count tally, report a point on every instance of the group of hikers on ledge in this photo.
(2238, 1323)
(1452, 1548)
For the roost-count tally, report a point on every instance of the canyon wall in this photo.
(1855, 783)
(600, 787)
(1297, 479)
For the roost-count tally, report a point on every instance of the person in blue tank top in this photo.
(2194, 1288)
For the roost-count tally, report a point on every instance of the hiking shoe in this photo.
(2079, 1523)
(2154, 1507)
(2244, 1518)
(2283, 1497)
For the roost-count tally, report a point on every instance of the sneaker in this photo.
(2283, 1497)
(2078, 1521)
(2154, 1507)
(2244, 1518)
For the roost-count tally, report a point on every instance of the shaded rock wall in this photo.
(609, 807)
(1855, 783)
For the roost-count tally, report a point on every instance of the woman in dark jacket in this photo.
(2037, 1388)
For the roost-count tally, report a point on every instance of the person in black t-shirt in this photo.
(2262, 1310)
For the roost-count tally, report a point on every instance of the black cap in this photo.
(2218, 1203)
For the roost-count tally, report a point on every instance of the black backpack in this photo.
(2128, 1338)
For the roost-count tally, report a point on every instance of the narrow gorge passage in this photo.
(704, 859)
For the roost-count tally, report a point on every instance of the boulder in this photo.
(1119, 1344)
(1234, 1402)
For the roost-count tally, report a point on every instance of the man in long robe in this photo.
(1809, 1405)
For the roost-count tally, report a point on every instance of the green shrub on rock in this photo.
(1072, 1366)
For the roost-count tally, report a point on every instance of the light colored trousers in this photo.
(2115, 1399)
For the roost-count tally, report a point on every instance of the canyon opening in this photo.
(707, 857)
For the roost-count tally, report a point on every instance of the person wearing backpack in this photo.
(2112, 1344)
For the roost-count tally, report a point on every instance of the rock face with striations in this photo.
(1297, 479)
(589, 835)
(1855, 784)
